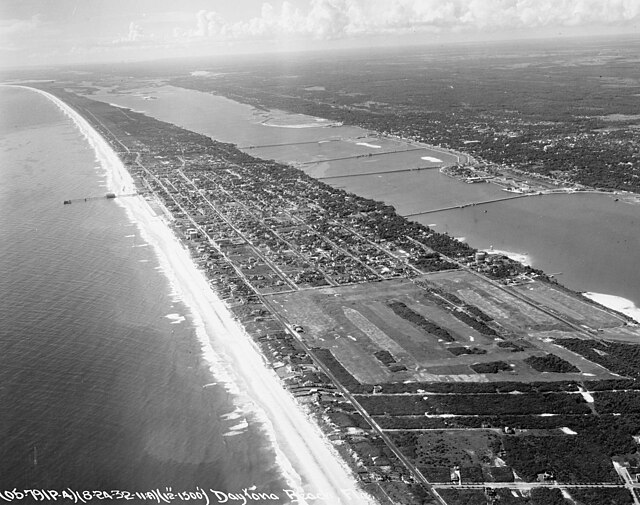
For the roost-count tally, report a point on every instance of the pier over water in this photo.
(107, 196)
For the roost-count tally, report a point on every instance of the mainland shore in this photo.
(311, 467)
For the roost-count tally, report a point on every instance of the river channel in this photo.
(589, 241)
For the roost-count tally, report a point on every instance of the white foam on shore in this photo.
(365, 144)
(317, 122)
(523, 258)
(202, 73)
(296, 126)
(627, 307)
(236, 414)
(175, 318)
(431, 159)
(305, 456)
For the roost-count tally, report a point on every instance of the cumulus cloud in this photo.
(135, 35)
(135, 32)
(332, 19)
(17, 26)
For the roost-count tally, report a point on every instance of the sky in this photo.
(45, 32)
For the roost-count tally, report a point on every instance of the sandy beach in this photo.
(618, 303)
(519, 257)
(310, 465)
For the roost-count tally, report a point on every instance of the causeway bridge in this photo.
(471, 204)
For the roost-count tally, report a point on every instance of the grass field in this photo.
(568, 306)
(511, 312)
(376, 345)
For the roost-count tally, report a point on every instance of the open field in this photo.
(511, 312)
(377, 345)
(568, 306)
(448, 449)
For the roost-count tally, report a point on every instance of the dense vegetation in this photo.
(339, 372)
(620, 402)
(476, 324)
(569, 459)
(420, 321)
(623, 359)
(550, 363)
(512, 346)
(547, 496)
(458, 351)
(602, 496)
(483, 405)
(491, 367)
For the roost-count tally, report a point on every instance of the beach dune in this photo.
(310, 465)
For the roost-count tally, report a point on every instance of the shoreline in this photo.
(318, 470)
(523, 258)
(617, 303)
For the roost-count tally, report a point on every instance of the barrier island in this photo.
(439, 373)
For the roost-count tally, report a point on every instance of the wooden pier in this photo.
(107, 196)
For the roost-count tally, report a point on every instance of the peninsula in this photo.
(439, 373)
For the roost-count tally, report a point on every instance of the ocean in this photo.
(104, 384)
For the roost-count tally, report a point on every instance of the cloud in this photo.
(542, 13)
(135, 32)
(135, 35)
(19, 26)
(334, 19)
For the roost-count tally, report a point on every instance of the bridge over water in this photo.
(341, 176)
(471, 204)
